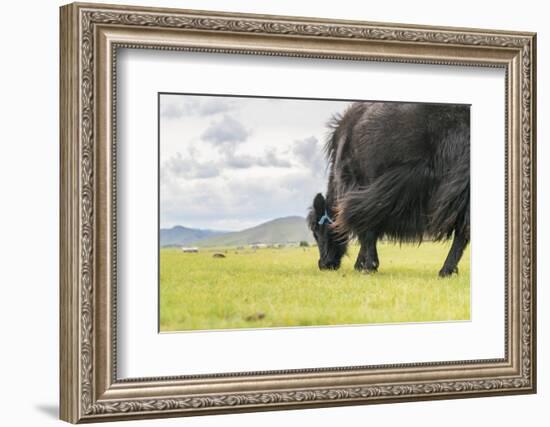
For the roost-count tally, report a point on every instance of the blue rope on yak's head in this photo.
(325, 219)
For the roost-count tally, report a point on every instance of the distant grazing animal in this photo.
(218, 255)
(399, 171)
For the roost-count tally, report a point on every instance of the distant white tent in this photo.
(190, 250)
(258, 246)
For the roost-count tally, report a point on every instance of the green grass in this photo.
(284, 287)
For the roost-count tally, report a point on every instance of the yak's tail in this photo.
(395, 202)
(450, 208)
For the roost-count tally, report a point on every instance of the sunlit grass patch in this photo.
(284, 287)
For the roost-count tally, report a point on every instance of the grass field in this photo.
(283, 287)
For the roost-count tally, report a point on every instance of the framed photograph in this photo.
(267, 212)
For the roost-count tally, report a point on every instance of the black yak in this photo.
(399, 171)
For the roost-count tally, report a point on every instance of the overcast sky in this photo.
(229, 163)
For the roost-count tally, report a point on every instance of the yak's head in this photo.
(331, 247)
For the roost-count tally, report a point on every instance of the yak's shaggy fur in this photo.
(399, 171)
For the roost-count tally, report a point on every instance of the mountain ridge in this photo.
(283, 230)
(179, 235)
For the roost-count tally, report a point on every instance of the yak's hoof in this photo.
(369, 269)
(446, 272)
(364, 266)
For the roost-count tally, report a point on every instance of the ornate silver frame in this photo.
(90, 36)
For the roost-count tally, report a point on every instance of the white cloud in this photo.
(188, 167)
(178, 106)
(243, 161)
(226, 133)
(310, 152)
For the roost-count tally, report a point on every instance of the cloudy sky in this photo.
(229, 163)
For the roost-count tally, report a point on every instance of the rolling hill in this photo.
(280, 230)
(181, 236)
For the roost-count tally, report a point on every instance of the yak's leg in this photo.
(367, 260)
(361, 259)
(457, 249)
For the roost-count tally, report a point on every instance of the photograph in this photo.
(292, 212)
